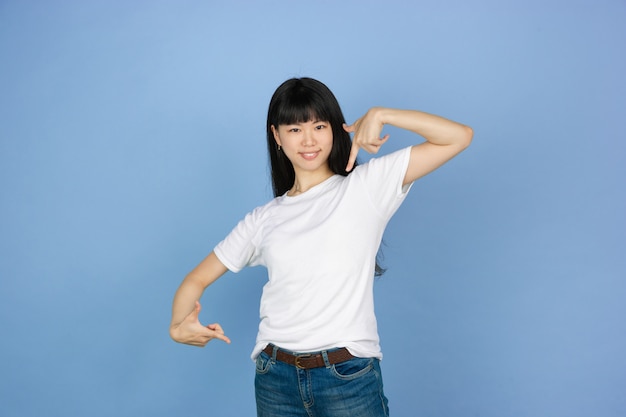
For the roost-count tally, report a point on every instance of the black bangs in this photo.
(300, 106)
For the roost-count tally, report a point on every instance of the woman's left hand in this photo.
(367, 130)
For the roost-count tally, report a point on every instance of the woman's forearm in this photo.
(188, 293)
(435, 129)
(192, 287)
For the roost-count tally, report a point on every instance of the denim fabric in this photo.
(351, 388)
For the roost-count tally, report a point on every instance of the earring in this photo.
(278, 148)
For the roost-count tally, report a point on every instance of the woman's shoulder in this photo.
(263, 209)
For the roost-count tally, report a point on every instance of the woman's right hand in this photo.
(191, 332)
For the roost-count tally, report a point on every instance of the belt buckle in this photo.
(298, 357)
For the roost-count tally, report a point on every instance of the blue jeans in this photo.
(350, 388)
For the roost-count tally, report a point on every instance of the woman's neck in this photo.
(306, 180)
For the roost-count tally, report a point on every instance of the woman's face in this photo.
(307, 145)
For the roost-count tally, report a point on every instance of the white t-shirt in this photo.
(320, 251)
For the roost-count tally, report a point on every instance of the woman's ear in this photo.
(275, 133)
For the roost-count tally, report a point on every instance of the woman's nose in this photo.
(308, 138)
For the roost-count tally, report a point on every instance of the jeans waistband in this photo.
(309, 360)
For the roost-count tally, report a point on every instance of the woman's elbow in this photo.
(466, 138)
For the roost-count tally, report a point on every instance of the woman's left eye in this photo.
(320, 127)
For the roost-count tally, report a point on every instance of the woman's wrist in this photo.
(379, 115)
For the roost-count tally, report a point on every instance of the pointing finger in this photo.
(218, 332)
(222, 338)
(354, 151)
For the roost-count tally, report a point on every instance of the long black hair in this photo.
(299, 100)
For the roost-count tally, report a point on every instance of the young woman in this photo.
(317, 350)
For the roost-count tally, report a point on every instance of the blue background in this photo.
(132, 141)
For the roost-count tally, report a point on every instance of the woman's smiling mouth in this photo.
(309, 156)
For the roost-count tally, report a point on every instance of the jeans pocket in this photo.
(353, 368)
(263, 363)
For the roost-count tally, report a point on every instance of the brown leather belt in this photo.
(309, 360)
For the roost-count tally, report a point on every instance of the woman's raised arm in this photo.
(444, 138)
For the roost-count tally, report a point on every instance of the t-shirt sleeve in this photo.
(239, 248)
(382, 178)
